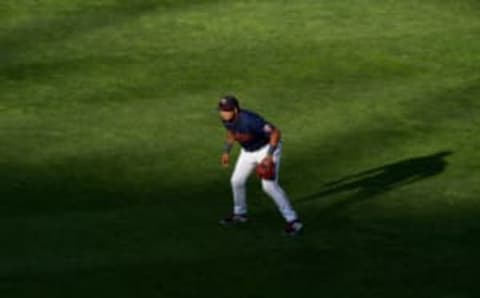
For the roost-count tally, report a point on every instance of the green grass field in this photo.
(110, 178)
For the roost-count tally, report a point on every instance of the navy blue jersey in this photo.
(250, 130)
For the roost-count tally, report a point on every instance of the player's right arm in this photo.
(229, 140)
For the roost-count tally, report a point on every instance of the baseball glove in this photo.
(266, 170)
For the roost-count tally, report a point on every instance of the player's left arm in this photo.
(275, 136)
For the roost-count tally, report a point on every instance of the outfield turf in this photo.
(110, 178)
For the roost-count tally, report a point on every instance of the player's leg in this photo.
(275, 191)
(243, 168)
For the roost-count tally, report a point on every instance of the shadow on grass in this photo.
(97, 184)
(379, 180)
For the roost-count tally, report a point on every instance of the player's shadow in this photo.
(373, 182)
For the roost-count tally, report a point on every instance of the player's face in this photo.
(227, 115)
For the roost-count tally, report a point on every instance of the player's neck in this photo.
(235, 118)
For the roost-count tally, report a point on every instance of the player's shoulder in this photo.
(250, 115)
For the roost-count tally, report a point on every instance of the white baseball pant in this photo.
(246, 163)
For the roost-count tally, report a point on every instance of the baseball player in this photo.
(261, 151)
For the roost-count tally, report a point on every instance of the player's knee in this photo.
(237, 182)
(268, 186)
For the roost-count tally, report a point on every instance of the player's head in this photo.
(228, 107)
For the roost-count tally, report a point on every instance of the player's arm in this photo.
(275, 137)
(229, 141)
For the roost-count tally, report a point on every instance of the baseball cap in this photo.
(228, 103)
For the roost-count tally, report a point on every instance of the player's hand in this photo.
(225, 160)
(268, 160)
(266, 169)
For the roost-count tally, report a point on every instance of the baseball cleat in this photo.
(234, 219)
(293, 227)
